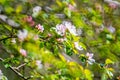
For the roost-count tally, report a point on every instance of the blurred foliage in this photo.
(50, 56)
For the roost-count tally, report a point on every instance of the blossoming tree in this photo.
(59, 40)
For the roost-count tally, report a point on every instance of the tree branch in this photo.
(18, 73)
(7, 38)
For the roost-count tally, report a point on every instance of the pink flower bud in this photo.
(23, 52)
(32, 23)
(71, 7)
(49, 35)
(29, 19)
(60, 39)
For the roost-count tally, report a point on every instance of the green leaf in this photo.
(7, 65)
(67, 12)
(108, 61)
(2, 1)
(9, 9)
(19, 8)
(88, 74)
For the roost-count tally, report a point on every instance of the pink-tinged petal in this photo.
(32, 23)
(90, 59)
(23, 52)
(49, 35)
(113, 5)
(29, 18)
(77, 46)
(40, 27)
(71, 7)
(60, 39)
(61, 29)
(71, 28)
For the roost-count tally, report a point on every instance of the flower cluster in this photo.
(61, 28)
(40, 27)
(29, 20)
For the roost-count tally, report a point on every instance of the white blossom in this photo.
(13, 40)
(71, 28)
(111, 29)
(22, 34)
(36, 11)
(77, 46)
(61, 29)
(90, 58)
(39, 64)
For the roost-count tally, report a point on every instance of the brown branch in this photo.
(7, 38)
(21, 65)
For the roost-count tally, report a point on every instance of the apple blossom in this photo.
(90, 59)
(61, 29)
(29, 18)
(36, 11)
(22, 34)
(71, 28)
(71, 7)
(40, 27)
(23, 52)
(111, 29)
(39, 64)
(77, 46)
(61, 39)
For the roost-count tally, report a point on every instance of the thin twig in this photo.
(21, 65)
(18, 73)
(7, 38)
